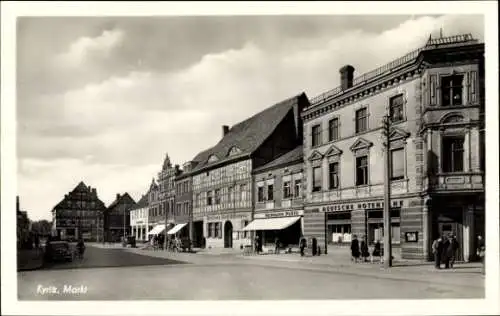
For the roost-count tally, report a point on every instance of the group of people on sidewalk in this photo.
(445, 250)
(360, 251)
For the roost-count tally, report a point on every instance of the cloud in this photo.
(86, 47)
(116, 131)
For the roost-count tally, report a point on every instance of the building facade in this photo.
(117, 218)
(139, 219)
(279, 203)
(156, 214)
(184, 207)
(80, 214)
(222, 175)
(433, 98)
(166, 187)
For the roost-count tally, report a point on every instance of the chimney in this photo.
(117, 196)
(94, 192)
(17, 203)
(346, 76)
(225, 130)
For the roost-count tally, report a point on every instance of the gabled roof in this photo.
(294, 155)
(143, 202)
(247, 135)
(80, 188)
(122, 199)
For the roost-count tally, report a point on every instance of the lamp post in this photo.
(387, 192)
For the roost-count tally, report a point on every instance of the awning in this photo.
(157, 230)
(271, 223)
(176, 229)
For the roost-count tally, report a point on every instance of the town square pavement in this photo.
(114, 273)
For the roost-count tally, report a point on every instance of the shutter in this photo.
(473, 87)
(438, 91)
(466, 92)
(433, 89)
(425, 92)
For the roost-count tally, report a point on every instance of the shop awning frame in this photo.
(176, 228)
(278, 223)
(158, 229)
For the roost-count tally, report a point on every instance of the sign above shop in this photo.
(227, 216)
(279, 214)
(370, 205)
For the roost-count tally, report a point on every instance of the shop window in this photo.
(287, 193)
(333, 129)
(451, 90)
(245, 233)
(297, 188)
(334, 175)
(317, 179)
(398, 164)
(396, 109)
(316, 135)
(453, 154)
(260, 194)
(270, 192)
(361, 120)
(362, 170)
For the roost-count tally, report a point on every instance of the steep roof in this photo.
(122, 199)
(247, 135)
(294, 155)
(143, 202)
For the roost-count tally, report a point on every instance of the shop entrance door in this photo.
(451, 222)
(228, 235)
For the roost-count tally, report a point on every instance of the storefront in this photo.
(284, 225)
(225, 230)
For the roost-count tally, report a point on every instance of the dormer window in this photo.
(234, 151)
(213, 158)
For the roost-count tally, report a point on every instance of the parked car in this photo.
(58, 251)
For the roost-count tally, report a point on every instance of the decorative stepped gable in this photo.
(79, 193)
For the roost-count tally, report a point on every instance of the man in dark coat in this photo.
(480, 252)
(453, 249)
(302, 245)
(355, 248)
(437, 250)
(448, 248)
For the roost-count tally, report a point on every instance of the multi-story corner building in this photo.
(184, 207)
(278, 196)
(139, 219)
(434, 97)
(79, 214)
(222, 175)
(117, 218)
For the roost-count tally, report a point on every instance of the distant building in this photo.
(79, 214)
(435, 99)
(184, 207)
(117, 218)
(279, 201)
(139, 219)
(23, 226)
(166, 194)
(222, 175)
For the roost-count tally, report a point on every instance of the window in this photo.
(245, 233)
(209, 198)
(217, 230)
(396, 108)
(453, 154)
(451, 90)
(260, 193)
(398, 164)
(287, 193)
(333, 129)
(316, 135)
(361, 120)
(243, 192)
(231, 194)
(270, 192)
(362, 170)
(334, 175)
(317, 179)
(217, 196)
(297, 191)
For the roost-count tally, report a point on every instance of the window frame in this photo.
(365, 169)
(316, 135)
(297, 189)
(358, 118)
(451, 168)
(287, 191)
(333, 129)
(270, 192)
(315, 188)
(402, 176)
(392, 105)
(449, 90)
(336, 184)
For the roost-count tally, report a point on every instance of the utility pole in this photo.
(387, 192)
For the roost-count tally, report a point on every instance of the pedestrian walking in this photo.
(364, 250)
(355, 249)
(447, 250)
(437, 249)
(453, 249)
(277, 246)
(481, 252)
(256, 244)
(314, 246)
(377, 251)
(80, 247)
(302, 245)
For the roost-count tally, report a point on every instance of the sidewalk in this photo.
(29, 259)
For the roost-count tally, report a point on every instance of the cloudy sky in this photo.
(104, 99)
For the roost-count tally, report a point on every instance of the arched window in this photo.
(453, 118)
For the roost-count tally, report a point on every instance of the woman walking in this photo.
(355, 249)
